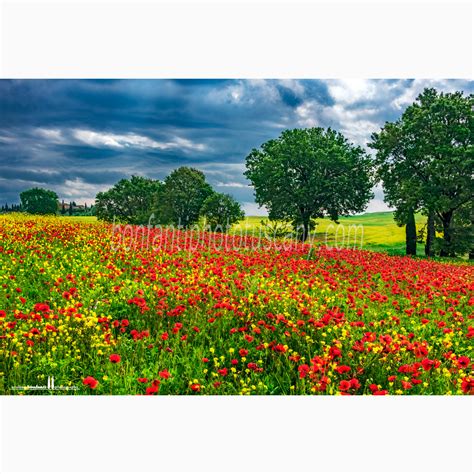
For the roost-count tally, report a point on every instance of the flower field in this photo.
(150, 312)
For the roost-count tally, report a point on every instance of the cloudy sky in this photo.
(79, 137)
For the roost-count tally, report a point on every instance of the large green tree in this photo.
(39, 201)
(309, 173)
(184, 193)
(130, 200)
(425, 161)
(221, 211)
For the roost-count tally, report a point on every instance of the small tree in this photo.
(130, 200)
(309, 173)
(39, 201)
(184, 193)
(221, 211)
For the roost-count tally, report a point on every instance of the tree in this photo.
(39, 201)
(130, 200)
(426, 161)
(184, 193)
(400, 183)
(309, 173)
(462, 232)
(221, 211)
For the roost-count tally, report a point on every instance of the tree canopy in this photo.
(184, 193)
(425, 161)
(130, 200)
(39, 201)
(221, 212)
(310, 173)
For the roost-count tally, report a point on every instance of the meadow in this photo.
(182, 313)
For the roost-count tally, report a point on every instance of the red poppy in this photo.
(354, 384)
(406, 385)
(195, 387)
(335, 352)
(303, 370)
(142, 379)
(427, 364)
(343, 369)
(463, 362)
(344, 385)
(164, 374)
(114, 358)
(91, 382)
(467, 385)
(152, 389)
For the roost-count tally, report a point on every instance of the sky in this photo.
(79, 137)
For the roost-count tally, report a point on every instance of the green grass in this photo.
(81, 218)
(380, 232)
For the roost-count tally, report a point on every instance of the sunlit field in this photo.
(86, 311)
(380, 232)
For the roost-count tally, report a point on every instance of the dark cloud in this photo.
(79, 137)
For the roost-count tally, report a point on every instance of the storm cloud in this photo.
(79, 137)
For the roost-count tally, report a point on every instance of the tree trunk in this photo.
(471, 255)
(305, 233)
(410, 232)
(446, 219)
(430, 235)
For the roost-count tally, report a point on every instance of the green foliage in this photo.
(221, 211)
(425, 160)
(462, 233)
(39, 201)
(184, 193)
(310, 173)
(275, 229)
(130, 200)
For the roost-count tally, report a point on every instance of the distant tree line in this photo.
(45, 202)
(6, 208)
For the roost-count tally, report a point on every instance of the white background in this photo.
(249, 39)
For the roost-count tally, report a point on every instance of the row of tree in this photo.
(181, 199)
(10, 208)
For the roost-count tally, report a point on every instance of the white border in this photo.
(229, 434)
(230, 38)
